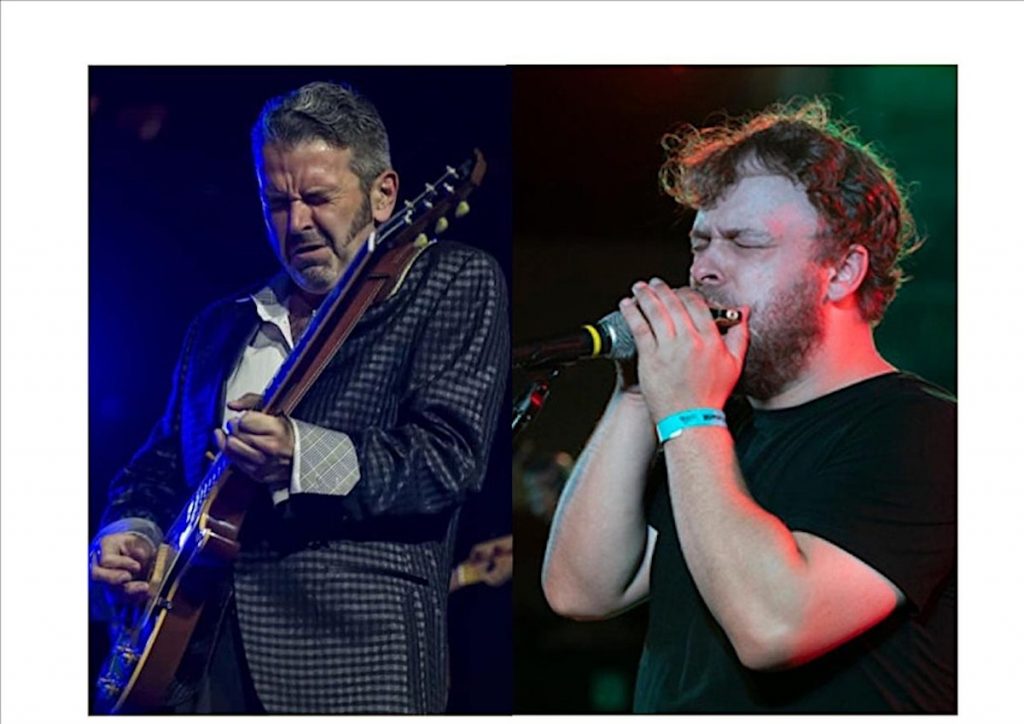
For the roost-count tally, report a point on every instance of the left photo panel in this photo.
(299, 414)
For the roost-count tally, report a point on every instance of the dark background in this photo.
(589, 220)
(175, 223)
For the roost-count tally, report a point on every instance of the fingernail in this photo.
(657, 280)
(638, 286)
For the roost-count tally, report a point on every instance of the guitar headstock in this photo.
(431, 209)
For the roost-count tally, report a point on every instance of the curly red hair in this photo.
(855, 192)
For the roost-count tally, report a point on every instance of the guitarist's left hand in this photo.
(261, 446)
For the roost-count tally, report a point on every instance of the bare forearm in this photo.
(597, 546)
(782, 597)
(744, 560)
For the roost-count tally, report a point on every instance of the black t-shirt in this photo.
(872, 469)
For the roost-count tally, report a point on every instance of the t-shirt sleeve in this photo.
(887, 494)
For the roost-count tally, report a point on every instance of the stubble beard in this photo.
(319, 278)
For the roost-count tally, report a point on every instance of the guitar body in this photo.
(148, 648)
(147, 678)
(195, 555)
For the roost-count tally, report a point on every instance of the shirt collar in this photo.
(271, 301)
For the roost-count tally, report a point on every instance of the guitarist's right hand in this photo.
(120, 561)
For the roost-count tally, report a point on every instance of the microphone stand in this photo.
(528, 404)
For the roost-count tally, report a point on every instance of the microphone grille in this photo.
(622, 345)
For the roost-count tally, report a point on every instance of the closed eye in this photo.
(698, 241)
(316, 199)
(739, 238)
(748, 239)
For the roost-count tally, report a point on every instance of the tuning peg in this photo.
(441, 225)
(462, 209)
(421, 240)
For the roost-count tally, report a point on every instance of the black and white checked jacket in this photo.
(341, 599)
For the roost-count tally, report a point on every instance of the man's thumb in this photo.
(248, 401)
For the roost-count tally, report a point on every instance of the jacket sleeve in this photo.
(437, 451)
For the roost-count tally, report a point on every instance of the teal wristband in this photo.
(673, 425)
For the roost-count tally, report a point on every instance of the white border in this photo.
(46, 48)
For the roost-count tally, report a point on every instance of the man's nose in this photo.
(300, 217)
(706, 269)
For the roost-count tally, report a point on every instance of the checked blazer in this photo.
(341, 599)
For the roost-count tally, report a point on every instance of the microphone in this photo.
(609, 338)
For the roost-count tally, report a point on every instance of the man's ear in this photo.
(384, 195)
(846, 276)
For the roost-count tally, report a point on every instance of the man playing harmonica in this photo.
(800, 557)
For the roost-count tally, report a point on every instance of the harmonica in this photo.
(726, 318)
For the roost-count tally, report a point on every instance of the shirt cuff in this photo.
(324, 461)
(280, 492)
(140, 526)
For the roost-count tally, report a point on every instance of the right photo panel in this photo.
(734, 384)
